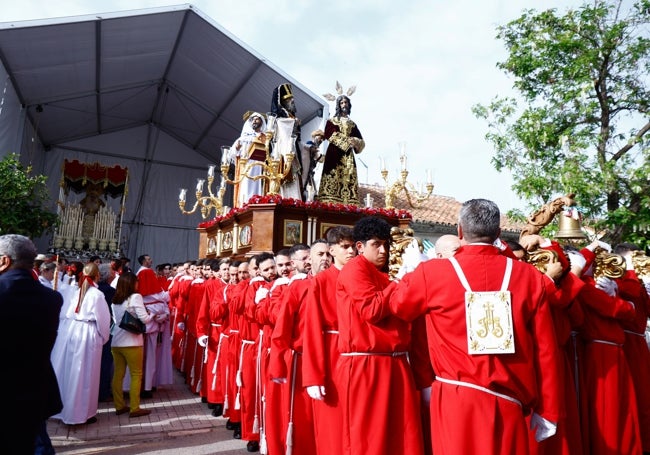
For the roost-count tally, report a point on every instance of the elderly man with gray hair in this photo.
(31, 314)
(491, 341)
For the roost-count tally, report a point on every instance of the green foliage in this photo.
(22, 199)
(580, 122)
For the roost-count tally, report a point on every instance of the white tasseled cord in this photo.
(256, 420)
(238, 380)
(225, 393)
(203, 361)
(196, 343)
(294, 363)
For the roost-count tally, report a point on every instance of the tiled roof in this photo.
(437, 210)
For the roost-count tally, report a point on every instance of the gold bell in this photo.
(569, 228)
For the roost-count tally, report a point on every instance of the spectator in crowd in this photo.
(128, 348)
(76, 357)
(32, 389)
(106, 275)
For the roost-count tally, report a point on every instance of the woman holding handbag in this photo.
(127, 347)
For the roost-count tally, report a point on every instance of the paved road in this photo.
(201, 442)
(179, 424)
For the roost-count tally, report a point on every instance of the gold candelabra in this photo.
(206, 203)
(392, 191)
(275, 167)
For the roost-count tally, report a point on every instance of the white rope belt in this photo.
(247, 342)
(215, 325)
(384, 354)
(611, 343)
(642, 335)
(478, 387)
(332, 332)
(234, 331)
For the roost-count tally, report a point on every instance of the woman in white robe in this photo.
(84, 327)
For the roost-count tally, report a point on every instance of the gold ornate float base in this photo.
(270, 227)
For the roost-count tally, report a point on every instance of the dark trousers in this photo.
(106, 372)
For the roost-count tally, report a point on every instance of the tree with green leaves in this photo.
(23, 197)
(580, 122)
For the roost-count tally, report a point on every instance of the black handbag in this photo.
(132, 323)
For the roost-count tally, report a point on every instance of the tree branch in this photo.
(631, 144)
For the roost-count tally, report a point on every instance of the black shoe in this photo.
(204, 400)
(211, 405)
(91, 420)
(230, 425)
(146, 394)
(236, 433)
(253, 446)
(218, 410)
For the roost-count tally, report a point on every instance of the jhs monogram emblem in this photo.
(489, 322)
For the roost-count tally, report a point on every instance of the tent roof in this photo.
(172, 67)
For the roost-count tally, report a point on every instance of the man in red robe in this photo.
(377, 392)
(260, 399)
(287, 343)
(491, 342)
(157, 302)
(562, 288)
(320, 346)
(179, 291)
(636, 349)
(603, 372)
(209, 328)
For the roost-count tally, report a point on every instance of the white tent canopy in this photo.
(158, 91)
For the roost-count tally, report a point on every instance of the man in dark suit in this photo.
(31, 319)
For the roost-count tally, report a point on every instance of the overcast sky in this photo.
(419, 67)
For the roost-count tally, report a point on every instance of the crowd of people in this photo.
(316, 349)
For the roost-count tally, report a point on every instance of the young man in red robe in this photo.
(377, 391)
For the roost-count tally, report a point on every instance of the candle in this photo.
(211, 171)
(270, 122)
(402, 149)
(403, 160)
(381, 163)
(181, 196)
(368, 200)
(429, 180)
(225, 152)
(199, 185)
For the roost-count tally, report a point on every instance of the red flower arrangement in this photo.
(329, 206)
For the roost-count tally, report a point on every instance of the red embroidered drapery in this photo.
(77, 175)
